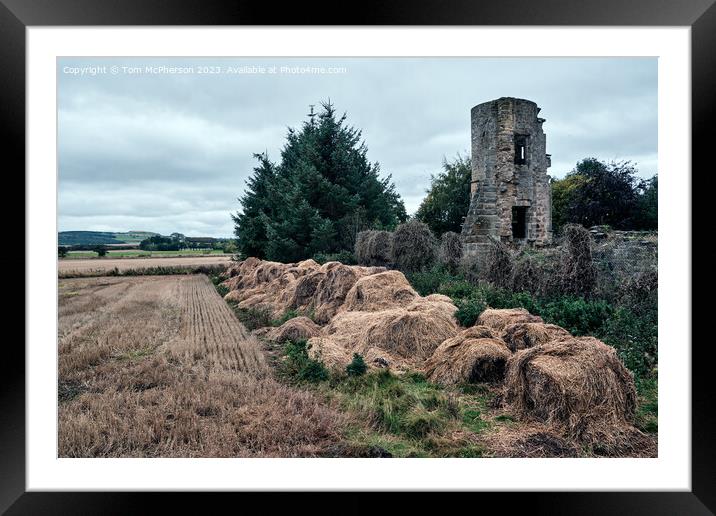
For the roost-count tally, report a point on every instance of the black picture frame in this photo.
(700, 15)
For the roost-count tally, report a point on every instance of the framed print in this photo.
(413, 251)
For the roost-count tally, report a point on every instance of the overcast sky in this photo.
(170, 152)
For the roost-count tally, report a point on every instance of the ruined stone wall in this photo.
(499, 183)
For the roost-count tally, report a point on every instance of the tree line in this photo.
(323, 191)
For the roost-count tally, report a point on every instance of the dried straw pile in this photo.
(577, 385)
(519, 336)
(474, 355)
(499, 319)
(298, 328)
(306, 286)
(398, 337)
(379, 292)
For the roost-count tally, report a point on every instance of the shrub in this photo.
(100, 250)
(450, 253)
(468, 310)
(635, 338)
(414, 246)
(357, 367)
(61, 251)
(457, 288)
(428, 282)
(374, 248)
(253, 318)
(578, 315)
(297, 366)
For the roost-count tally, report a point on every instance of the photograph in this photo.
(357, 257)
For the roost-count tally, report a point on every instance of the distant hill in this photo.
(102, 237)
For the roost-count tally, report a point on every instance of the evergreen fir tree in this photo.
(319, 197)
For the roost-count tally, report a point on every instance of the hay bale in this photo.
(304, 290)
(498, 319)
(450, 252)
(296, 329)
(414, 246)
(578, 385)
(373, 247)
(472, 356)
(337, 281)
(379, 291)
(527, 335)
(410, 333)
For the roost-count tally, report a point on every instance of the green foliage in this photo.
(286, 316)
(429, 282)
(161, 243)
(61, 251)
(635, 338)
(414, 246)
(297, 366)
(448, 197)
(468, 310)
(647, 415)
(577, 315)
(357, 367)
(100, 250)
(253, 318)
(599, 193)
(316, 200)
(407, 406)
(648, 212)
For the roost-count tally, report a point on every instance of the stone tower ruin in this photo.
(510, 191)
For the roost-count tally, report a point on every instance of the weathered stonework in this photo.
(510, 190)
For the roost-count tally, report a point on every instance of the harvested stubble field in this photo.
(159, 366)
(98, 265)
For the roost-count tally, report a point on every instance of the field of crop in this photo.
(89, 266)
(159, 366)
(138, 253)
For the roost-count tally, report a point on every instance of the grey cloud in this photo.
(172, 153)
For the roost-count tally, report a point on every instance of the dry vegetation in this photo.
(100, 265)
(159, 366)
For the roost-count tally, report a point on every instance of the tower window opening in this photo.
(519, 221)
(520, 149)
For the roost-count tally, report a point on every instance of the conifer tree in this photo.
(323, 192)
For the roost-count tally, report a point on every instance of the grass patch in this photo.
(647, 415)
(405, 415)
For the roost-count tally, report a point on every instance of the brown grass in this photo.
(123, 264)
(529, 440)
(159, 366)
